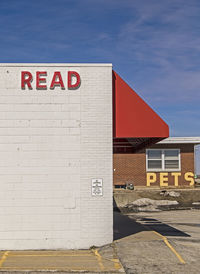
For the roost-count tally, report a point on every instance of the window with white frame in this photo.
(163, 160)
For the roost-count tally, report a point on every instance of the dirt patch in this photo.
(186, 199)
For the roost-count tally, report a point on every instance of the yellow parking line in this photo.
(48, 255)
(171, 247)
(99, 258)
(116, 264)
(4, 257)
(94, 256)
(60, 268)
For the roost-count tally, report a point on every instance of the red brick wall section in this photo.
(131, 168)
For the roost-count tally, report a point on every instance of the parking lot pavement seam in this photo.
(115, 261)
(117, 264)
(170, 247)
(3, 258)
(99, 259)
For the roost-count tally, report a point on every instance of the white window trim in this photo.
(163, 160)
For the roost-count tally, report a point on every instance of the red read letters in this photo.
(57, 80)
(40, 80)
(72, 74)
(27, 80)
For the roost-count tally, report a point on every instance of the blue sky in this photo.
(154, 45)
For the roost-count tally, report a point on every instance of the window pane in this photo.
(171, 164)
(154, 164)
(171, 153)
(154, 154)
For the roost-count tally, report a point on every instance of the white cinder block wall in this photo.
(52, 144)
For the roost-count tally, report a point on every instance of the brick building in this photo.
(169, 163)
(58, 125)
(56, 182)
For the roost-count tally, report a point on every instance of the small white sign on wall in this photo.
(97, 187)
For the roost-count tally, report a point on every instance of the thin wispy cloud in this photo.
(154, 45)
(165, 40)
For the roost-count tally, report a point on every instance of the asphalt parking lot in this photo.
(161, 242)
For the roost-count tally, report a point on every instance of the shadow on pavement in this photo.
(162, 228)
(124, 226)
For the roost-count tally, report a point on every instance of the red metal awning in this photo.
(134, 120)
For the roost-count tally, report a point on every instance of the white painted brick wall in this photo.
(52, 143)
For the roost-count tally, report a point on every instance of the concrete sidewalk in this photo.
(71, 261)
